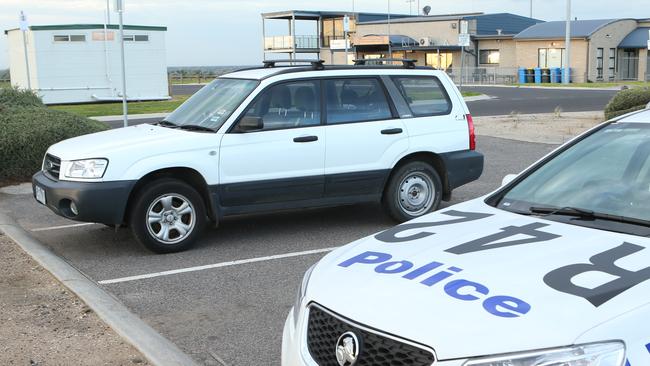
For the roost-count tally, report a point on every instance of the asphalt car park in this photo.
(225, 301)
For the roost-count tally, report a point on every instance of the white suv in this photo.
(271, 138)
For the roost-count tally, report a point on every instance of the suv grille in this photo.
(324, 330)
(52, 166)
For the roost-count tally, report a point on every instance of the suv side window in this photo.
(288, 105)
(356, 100)
(425, 95)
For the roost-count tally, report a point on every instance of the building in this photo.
(602, 50)
(596, 48)
(77, 63)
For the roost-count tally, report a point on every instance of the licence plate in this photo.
(40, 194)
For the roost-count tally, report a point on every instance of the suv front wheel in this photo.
(168, 216)
(414, 189)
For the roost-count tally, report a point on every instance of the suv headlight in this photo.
(84, 169)
(301, 293)
(596, 354)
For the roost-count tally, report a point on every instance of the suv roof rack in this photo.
(315, 64)
(407, 63)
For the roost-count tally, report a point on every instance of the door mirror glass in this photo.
(507, 179)
(250, 123)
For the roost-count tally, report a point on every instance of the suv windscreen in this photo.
(211, 106)
(606, 173)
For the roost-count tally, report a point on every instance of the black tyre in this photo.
(168, 216)
(413, 190)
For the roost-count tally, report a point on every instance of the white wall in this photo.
(75, 72)
(17, 64)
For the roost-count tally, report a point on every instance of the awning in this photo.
(638, 38)
(396, 40)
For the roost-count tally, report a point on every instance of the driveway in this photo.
(225, 301)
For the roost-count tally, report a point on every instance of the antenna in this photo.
(426, 10)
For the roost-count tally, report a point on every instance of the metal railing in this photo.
(484, 75)
(289, 42)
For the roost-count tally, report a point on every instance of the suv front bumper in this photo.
(101, 202)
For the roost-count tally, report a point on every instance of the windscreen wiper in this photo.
(196, 128)
(166, 123)
(585, 214)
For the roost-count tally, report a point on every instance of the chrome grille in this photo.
(52, 166)
(324, 329)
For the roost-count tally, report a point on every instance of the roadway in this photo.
(505, 100)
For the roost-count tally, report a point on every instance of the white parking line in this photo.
(216, 265)
(62, 227)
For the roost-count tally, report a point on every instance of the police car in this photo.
(552, 269)
(272, 138)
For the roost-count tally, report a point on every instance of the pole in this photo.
(24, 27)
(108, 11)
(125, 110)
(390, 45)
(531, 8)
(462, 63)
(566, 74)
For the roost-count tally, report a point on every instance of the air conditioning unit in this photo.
(426, 42)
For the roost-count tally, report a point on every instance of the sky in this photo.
(229, 32)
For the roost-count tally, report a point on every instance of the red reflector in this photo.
(472, 135)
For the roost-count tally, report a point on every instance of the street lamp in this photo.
(119, 7)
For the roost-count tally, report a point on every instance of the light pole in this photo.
(390, 45)
(24, 27)
(566, 73)
(119, 6)
(531, 8)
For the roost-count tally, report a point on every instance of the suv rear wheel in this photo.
(168, 216)
(414, 189)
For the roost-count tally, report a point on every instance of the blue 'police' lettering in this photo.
(453, 289)
(506, 306)
(460, 289)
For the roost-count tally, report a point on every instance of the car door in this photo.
(364, 137)
(282, 160)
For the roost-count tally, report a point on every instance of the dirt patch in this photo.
(42, 323)
(549, 128)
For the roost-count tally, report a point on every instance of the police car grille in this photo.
(324, 330)
(52, 166)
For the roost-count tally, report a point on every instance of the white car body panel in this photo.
(396, 305)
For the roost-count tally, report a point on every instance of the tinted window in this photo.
(356, 100)
(288, 105)
(425, 95)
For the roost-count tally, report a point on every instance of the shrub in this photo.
(627, 101)
(27, 132)
(19, 98)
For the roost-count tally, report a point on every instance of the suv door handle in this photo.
(391, 131)
(305, 139)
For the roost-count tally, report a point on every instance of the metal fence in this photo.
(484, 75)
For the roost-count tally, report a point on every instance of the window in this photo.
(550, 57)
(489, 57)
(440, 61)
(288, 105)
(69, 38)
(356, 100)
(612, 64)
(600, 54)
(424, 94)
(136, 38)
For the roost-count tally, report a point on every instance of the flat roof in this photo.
(91, 26)
(315, 14)
(423, 18)
(557, 29)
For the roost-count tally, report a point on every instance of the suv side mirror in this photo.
(507, 179)
(250, 123)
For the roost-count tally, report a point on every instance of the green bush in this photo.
(627, 101)
(19, 98)
(27, 132)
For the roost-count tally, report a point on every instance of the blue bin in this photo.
(522, 75)
(538, 75)
(556, 75)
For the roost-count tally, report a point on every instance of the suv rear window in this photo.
(424, 95)
(356, 100)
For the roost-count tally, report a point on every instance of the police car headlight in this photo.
(301, 293)
(84, 169)
(597, 354)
